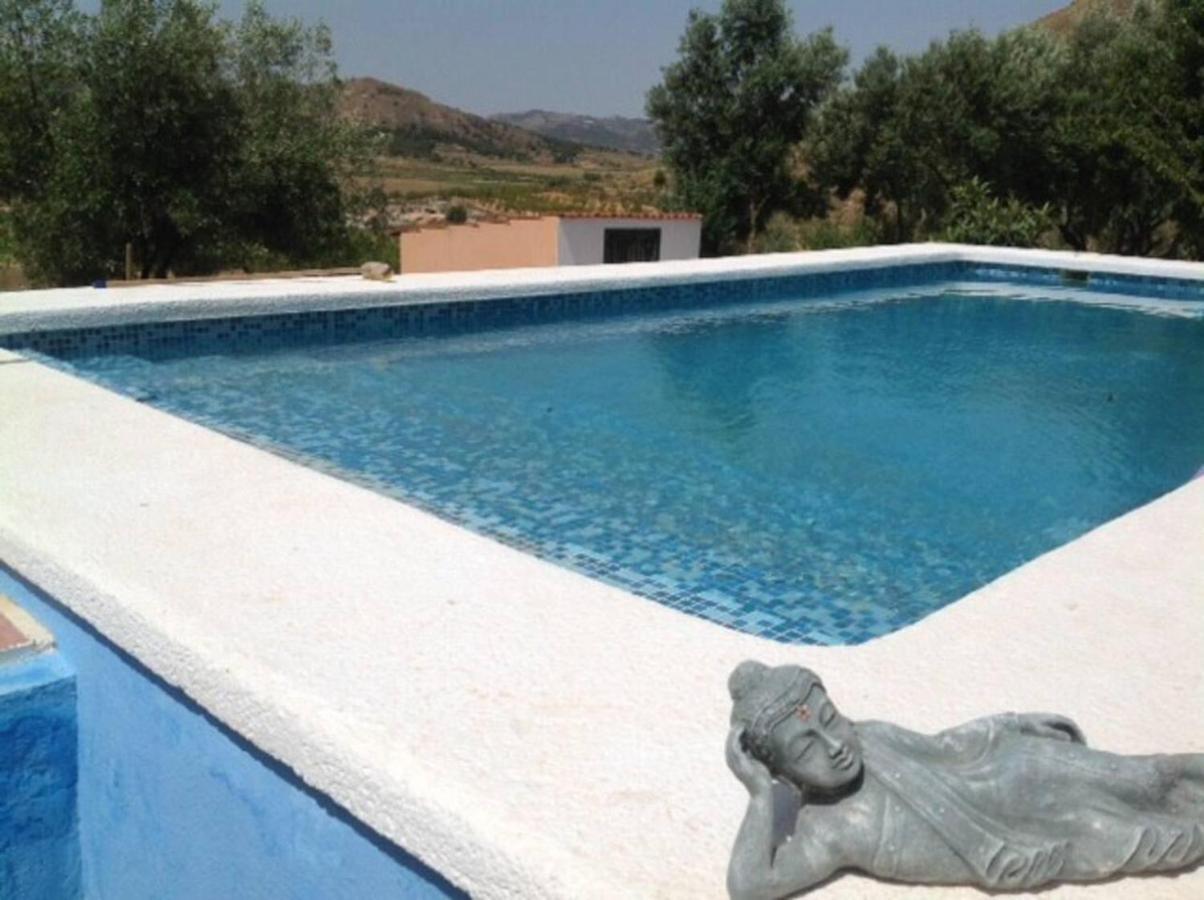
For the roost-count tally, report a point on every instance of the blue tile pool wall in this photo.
(173, 805)
(160, 340)
(39, 837)
(1097, 282)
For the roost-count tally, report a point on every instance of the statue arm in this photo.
(1041, 725)
(759, 870)
(1052, 726)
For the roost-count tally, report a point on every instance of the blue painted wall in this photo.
(173, 806)
(39, 844)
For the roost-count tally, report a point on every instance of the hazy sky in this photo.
(588, 56)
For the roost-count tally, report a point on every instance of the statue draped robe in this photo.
(1021, 810)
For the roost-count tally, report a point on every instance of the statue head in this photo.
(792, 727)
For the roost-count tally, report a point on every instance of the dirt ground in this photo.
(12, 278)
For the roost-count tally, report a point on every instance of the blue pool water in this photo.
(812, 470)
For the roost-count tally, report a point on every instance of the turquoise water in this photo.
(819, 471)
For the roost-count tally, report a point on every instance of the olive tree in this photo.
(907, 133)
(154, 124)
(1100, 132)
(37, 72)
(1184, 27)
(1133, 137)
(731, 111)
(860, 144)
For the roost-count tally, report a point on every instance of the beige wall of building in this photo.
(515, 244)
(546, 241)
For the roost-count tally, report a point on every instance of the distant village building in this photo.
(571, 239)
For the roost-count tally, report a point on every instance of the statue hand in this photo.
(753, 773)
(1052, 726)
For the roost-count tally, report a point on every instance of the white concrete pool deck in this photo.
(525, 730)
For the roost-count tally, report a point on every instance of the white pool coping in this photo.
(172, 301)
(523, 729)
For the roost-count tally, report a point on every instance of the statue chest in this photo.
(873, 832)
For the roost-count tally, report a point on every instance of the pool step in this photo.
(39, 835)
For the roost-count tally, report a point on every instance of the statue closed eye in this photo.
(1037, 806)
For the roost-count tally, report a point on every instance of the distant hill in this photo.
(419, 127)
(1063, 22)
(612, 132)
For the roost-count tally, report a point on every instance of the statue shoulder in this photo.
(966, 736)
(890, 734)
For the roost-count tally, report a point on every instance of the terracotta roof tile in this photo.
(660, 215)
(440, 224)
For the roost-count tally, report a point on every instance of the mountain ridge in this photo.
(1063, 22)
(418, 126)
(627, 133)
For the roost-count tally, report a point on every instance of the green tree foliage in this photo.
(292, 150)
(732, 109)
(1182, 33)
(154, 123)
(1130, 143)
(1103, 132)
(36, 79)
(1109, 197)
(908, 132)
(859, 143)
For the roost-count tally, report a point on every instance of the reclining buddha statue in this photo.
(1006, 802)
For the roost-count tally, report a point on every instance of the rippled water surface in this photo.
(811, 471)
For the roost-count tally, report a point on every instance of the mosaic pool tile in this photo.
(793, 457)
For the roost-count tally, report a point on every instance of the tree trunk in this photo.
(754, 210)
(1072, 236)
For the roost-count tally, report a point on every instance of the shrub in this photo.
(977, 217)
(780, 235)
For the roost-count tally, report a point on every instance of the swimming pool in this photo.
(450, 691)
(817, 462)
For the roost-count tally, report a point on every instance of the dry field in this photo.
(597, 181)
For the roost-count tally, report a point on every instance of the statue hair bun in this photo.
(745, 677)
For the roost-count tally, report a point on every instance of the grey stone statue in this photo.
(1007, 802)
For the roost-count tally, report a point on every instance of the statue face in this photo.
(815, 746)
